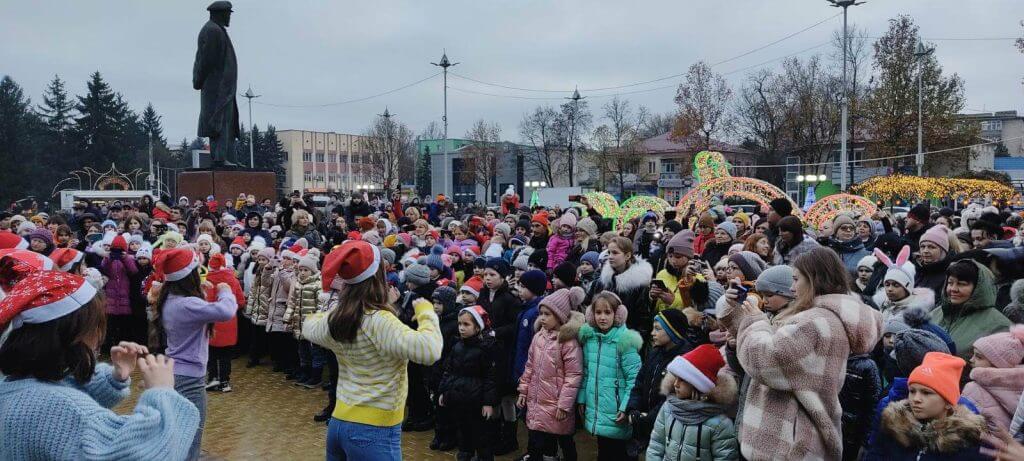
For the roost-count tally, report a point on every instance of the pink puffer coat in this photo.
(996, 393)
(554, 371)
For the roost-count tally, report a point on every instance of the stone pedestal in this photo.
(199, 183)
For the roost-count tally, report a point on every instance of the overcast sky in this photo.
(309, 53)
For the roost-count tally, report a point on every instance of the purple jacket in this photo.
(185, 320)
(118, 287)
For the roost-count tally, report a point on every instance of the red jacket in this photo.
(225, 334)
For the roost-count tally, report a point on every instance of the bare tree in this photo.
(390, 146)
(761, 117)
(573, 127)
(703, 101)
(433, 130)
(540, 131)
(656, 124)
(481, 155)
(617, 145)
(813, 109)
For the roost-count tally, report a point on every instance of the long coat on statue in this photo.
(216, 73)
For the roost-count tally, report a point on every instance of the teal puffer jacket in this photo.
(671, 440)
(611, 362)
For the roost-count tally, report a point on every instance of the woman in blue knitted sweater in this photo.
(55, 399)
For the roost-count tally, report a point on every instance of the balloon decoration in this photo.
(715, 181)
(916, 188)
(604, 203)
(636, 206)
(826, 209)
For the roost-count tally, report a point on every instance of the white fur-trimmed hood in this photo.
(637, 276)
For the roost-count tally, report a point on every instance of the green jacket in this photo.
(611, 362)
(672, 440)
(973, 319)
(302, 301)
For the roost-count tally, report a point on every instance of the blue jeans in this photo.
(356, 442)
(194, 389)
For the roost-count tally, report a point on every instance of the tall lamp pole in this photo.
(444, 65)
(843, 160)
(575, 98)
(920, 53)
(389, 159)
(250, 95)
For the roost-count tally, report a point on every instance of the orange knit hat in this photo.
(941, 373)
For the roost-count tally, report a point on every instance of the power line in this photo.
(892, 157)
(350, 101)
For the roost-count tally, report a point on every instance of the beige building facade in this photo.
(324, 162)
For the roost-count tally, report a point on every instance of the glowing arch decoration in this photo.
(604, 203)
(828, 208)
(917, 188)
(715, 181)
(636, 206)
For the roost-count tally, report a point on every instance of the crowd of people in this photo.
(711, 334)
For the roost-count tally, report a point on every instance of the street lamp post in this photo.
(844, 4)
(444, 65)
(920, 53)
(575, 98)
(250, 95)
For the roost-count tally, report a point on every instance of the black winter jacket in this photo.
(861, 390)
(932, 276)
(469, 374)
(503, 311)
(646, 396)
(449, 323)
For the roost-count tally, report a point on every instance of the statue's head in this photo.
(220, 12)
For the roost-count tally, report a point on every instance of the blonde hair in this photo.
(724, 392)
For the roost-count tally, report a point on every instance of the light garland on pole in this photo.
(915, 188)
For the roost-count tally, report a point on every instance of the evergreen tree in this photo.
(17, 122)
(152, 126)
(96, 127)
(56, 110)
(423, 179)
(269, 155)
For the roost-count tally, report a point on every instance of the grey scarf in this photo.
(692, 412)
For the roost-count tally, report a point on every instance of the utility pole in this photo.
(152, 180)
(250, 95)
(389, 161)
(920, 53)
(843, 155)
(575, 98)
(444, 65)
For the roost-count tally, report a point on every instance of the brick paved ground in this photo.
(267, 417)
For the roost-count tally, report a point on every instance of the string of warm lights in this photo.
(826, 209)
(637, 205)
(899, 188)
(604, 203)
(712, 170)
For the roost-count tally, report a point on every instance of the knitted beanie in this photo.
(842, 219)
(503, 228)
(728, 227)
(522, 262)
(567, 219)
(910, 347)
(940, 372)
(310, 261)
(388, 255)
(921, 213)
(417, 274)
(938, 235)
(1004, 350)
(563, 302)
(745, 218)
(698, 367)
(535, 281)
(682, 243)
(592, 258)
(434, 260)
(750, 263)
(539, 258)
(499, 265)
(867, 261)
(778, 280)
(587, 225)
(674, 322)
(566, 272)
(446, 296)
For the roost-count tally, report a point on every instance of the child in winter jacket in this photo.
(930, 424)
(257, 306)
(668, 341)
(117, 267)
(611, 362)
(898, 293)
(447, 311)
(551, 379)
(561, 242)
(692, 424)
(225, 334)
(468, 388)
(282, 343)
(997, 377)
(302, 301)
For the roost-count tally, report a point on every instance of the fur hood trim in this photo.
(637, 276)
(919, 297)
(949, 435)
(726, 390)
(571, 328)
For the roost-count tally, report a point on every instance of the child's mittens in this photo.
(693, 317)
(422, 306)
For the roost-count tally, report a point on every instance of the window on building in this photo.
(668, 166)
(652, 167)
(320, 158)
(307, 157)
(284, 155)
(992, 125)
(332, 158)
(307, 176)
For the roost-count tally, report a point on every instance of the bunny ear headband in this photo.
(901, 259)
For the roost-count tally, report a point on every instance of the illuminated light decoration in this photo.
(604, 203)
(915, 188)
(828, 208)
(713, 172)
(636, 206)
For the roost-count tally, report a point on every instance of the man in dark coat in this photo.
(215, 73)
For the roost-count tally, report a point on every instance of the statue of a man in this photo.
(215, 73)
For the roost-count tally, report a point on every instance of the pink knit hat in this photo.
(562, 302)
(938, 235)
(1004, 350)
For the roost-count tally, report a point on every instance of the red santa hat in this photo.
(473, 286)
(295, 252)
(479, 316)
(238, 242)
(64, 258)
(119, 243)
(17, 264)
(13, 241)
(353, 262)
(217, 261)
(43, 296)
(698, 367)
(175, 264)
